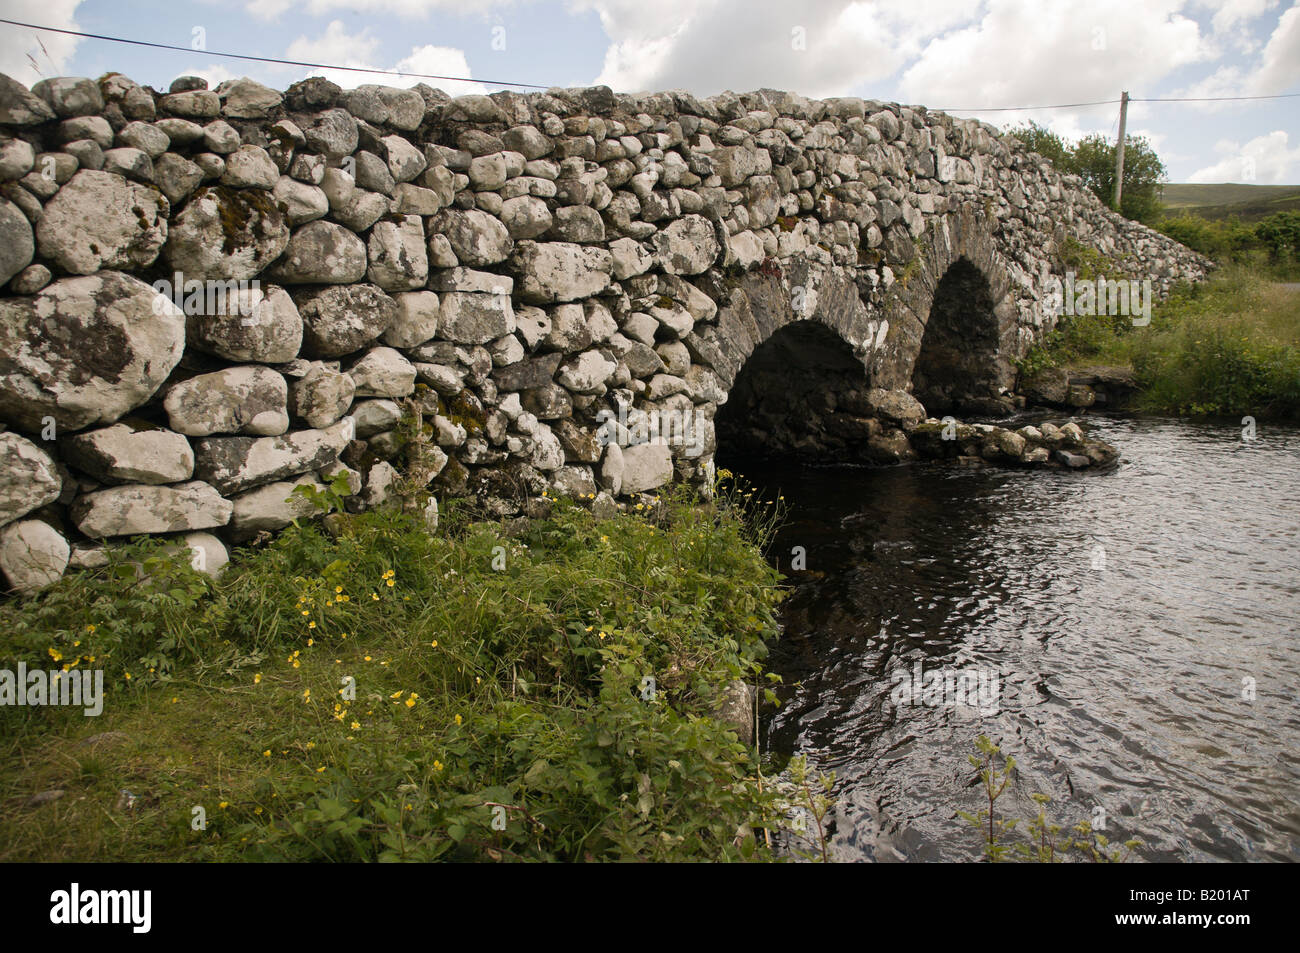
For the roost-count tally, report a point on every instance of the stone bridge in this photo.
(212, 296)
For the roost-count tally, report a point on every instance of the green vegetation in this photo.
(363, 689)
(1271, 245)
(1093, 159)
(1229, 345)
(1044, 842)
(1249, 203)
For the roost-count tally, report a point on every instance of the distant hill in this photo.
(1250, 203)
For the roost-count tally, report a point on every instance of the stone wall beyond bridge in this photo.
(210, 297)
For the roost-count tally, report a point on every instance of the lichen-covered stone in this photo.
(321, 396)
(340, 319)
(235, 464)
(33, 555)
(100, 220)
(226, 233)
(85, 351)
(248, 399)
(476, 237)
(135, 509)
(322, 253)
(21, 107)
(416, 320)
(551, 272)
(29, 478)
(383, 372)
(16, 244)
(399, 260)
(257, 324)
(246, 99)
(271, 507)
(472, 318)
(126, 453)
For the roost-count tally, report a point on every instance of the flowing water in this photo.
(1132, 637)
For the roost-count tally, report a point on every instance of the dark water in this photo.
(1120, 671)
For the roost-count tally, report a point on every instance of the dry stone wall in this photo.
(213, 296)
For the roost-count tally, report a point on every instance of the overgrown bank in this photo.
(1227, 346)
(378, 692)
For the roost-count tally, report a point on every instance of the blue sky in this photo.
(942, 53)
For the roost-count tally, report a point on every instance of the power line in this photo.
(1211, 99)
(267, 59)
(1110, 102)
(1007, 109)
(497, 82)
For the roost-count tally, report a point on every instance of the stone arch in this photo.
(791, 346)
(756, 305)
(953, 289)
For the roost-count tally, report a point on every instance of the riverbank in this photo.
(381, 693)
(1227, 346)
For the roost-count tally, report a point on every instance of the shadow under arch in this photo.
(791, 350)
(956, 369)
(786, 400)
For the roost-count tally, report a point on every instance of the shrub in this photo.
(547, 695)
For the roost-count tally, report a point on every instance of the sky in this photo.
(961, 55)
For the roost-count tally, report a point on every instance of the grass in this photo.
(1227, 346)
(1249, 203)
(382, 693)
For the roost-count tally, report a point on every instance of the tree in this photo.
(1093, 159)
(1280, 234)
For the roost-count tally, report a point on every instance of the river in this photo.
(1137, 632)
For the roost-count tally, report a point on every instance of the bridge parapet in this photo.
(211, 296)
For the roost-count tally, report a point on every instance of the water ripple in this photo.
(1142, 625)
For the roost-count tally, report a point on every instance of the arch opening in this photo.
(800, 395)
(957, 368)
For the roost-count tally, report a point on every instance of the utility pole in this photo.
(1119, 150)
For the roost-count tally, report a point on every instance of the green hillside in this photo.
(1222, 200)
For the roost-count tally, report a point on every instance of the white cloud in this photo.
(408, 9)
(1042, 52)
(338, 46)
(269, 10)
(32, 55)
(1280, 66)
(437, 61)
(1267, 160)
(1231, 13)
(818, 48)
(1277, 70)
